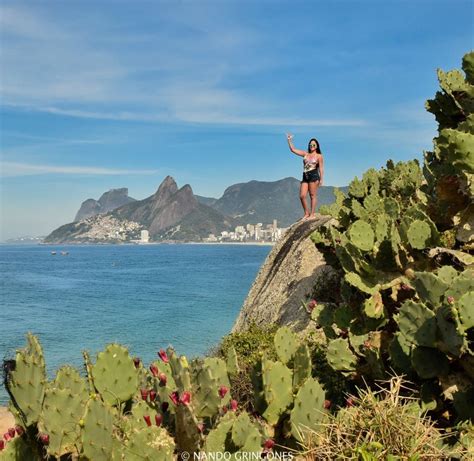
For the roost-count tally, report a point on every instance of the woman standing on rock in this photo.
(313, 171)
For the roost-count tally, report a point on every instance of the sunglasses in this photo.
(313, 145)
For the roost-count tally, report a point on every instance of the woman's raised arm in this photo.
(300, 152)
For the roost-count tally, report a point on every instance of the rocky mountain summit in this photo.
(108, 201)
(264, 201)
(177, 214)
(171, 212)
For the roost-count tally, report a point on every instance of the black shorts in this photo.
(311, 176)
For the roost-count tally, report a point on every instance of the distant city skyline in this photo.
(104, 95)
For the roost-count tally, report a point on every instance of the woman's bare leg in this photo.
(303, 192)
(313, 193)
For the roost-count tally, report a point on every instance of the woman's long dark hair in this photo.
(318, 150)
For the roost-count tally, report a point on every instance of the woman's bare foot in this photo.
(313, 216)
(305, 217)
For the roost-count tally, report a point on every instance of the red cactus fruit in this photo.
(349, 402)
(2, 444)
(158, 419)
(312, 304)
(327, 404)
(163, 356)
(44, 439)
(233, 405)
(185, 398)
(154, 370)
(136, 362)
(200, 427)
(268, 445)
(450, 299)
(162, 377)
(147, 420)
(174, 397)
(144, 393)
(223, 391)
(164, 406)
(152, 396)
(12, 432)
(19, 430)
(224, 409)
(7, 436)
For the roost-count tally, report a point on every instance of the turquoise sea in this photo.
(145, 297)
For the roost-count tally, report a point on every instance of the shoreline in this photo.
(6, 420)
(137, 244)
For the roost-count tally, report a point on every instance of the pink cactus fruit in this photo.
(163, 356)
(19, 430)
(200, 427)
(2, 444)
(165, 406)
(174, 397)
(44, 439)
(152, 395)
(158, 419)
(147, 420)
(233, 405)
(144, 393)
(223, 391)
(268, 445)
(136, 362)
(7, 436)
(12, 432)
(185, 398)
(154, 370)
(312, 304)
(450, 299)
(327, 404)
(162, 377)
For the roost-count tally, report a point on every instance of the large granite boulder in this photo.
(293, 271)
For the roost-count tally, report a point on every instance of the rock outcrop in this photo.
(108, 201)
(288, 276)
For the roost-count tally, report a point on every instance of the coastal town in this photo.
(250, 233)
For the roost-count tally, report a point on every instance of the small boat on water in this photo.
(53, 253)
(64, 253)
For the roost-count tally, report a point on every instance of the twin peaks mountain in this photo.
(173, 213)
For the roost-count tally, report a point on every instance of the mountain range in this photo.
(177, 214)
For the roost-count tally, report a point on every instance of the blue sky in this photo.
(104, 94)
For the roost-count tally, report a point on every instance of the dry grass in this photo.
(381, 425)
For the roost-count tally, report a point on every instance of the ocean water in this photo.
(144, 297)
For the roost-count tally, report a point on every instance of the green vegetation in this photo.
(402, 240)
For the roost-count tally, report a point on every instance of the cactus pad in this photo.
(115, 375)
(362, 235)
(419, 234)
(286, 344)
(27, 381)
(308, 412)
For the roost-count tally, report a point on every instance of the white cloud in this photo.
(12, 169)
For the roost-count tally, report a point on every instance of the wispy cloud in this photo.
(215, 117)
(12, 169)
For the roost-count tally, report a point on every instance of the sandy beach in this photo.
(6, 420)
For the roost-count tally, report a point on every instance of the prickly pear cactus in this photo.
(27, 382)
(308, 413)
(403, 244)
(115, 375)
(97, 431)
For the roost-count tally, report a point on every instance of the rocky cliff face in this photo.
(287, 277)
(110, 200)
